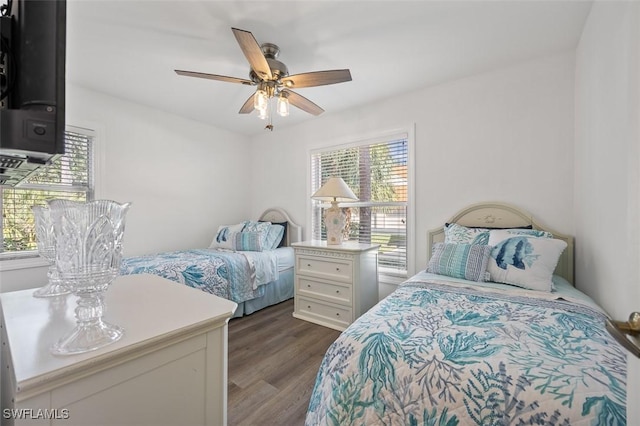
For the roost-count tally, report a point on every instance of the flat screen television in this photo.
(32, 86)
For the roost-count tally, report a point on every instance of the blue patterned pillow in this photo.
(283, 239)
(466, 261)
(256, 226)
(458, 234)
(274, 236)
(523, 260)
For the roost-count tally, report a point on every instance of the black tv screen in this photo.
(32, 83)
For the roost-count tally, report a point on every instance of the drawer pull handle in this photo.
(309, 285)
(337, 314)
(337, 269)
(309, 265)
(308, 306)
(338, 291)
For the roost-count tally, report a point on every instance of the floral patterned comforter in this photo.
(236, 276)
(434, 353)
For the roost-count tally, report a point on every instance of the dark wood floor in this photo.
(273, 361)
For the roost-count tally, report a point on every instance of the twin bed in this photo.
(445, 350)
(451, 346)
(253, 279)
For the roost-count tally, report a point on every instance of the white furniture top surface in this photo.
(347, 246)
(148, 307)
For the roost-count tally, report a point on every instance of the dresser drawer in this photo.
(332, 292)
(337, 315)
(324, 267)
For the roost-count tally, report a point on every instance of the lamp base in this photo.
(334, 220)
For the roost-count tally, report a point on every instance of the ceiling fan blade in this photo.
(214, 77)
(247, 107)
(253, 53)
(317, 78)
(303, 103)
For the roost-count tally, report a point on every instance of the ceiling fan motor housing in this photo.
(278, 69)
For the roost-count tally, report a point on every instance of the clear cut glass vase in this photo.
(46, 242)
(88, 256)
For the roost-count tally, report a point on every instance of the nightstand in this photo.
(334, 284)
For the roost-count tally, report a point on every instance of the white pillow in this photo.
(523, 260)
(223, 238)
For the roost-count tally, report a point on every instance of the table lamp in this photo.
(334, 190)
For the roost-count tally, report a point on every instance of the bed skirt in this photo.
(275, 292)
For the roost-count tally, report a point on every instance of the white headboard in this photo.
(501, 215)
(276, 214)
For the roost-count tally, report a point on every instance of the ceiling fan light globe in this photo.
(283, 106)
(260, 100)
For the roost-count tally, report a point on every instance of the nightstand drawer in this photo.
(332, 292)
(340, 316)
(325, 267)
(334, 284)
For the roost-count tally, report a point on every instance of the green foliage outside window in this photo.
(68, 177)
(18, 227)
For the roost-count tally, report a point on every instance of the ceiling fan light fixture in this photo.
(260, 100)
(273, 80)
(283, 104)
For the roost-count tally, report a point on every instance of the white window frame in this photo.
(378, 137)
(29, 258)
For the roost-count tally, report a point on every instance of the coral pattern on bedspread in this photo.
(236, 276)
(433, 354)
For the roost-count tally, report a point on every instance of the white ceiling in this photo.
(129, 49)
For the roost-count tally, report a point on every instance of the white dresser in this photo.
(334, 284)
(170, 367)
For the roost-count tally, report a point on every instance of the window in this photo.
(69, 177)
(376, 171)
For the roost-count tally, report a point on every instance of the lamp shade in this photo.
(334, 189)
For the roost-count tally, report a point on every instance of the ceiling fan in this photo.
(273, 79)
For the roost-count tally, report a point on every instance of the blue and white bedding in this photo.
(443, 351)
(236, 276)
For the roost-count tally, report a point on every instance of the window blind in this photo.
(377, 173)
(69, 177)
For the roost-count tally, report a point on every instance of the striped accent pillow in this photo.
(248, 241)
(466, 261)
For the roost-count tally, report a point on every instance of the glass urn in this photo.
(46, 243)
(88, 256)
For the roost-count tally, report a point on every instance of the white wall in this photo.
(486, 137)
(175, 171)
(607, 184)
